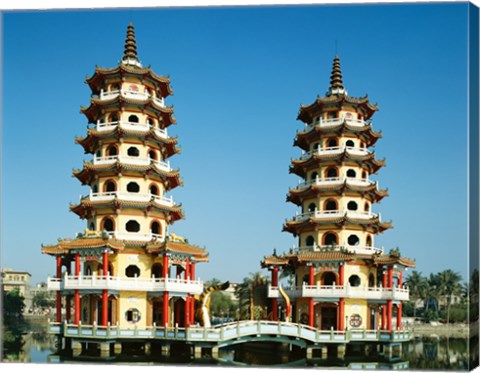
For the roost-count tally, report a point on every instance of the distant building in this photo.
(12, 280)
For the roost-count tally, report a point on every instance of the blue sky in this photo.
(239, 77)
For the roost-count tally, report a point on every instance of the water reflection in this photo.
(36, 346)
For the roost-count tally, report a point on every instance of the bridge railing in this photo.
(228, 332)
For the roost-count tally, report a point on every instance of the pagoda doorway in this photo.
(325, 316)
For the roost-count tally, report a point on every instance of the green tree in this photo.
(448, 283)
(42, 300)
(13, 306)
(245, 294)
(416, 285)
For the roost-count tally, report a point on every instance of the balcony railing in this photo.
(132, 160)
(329, 181)
(107, 95)
(333, 122)
(136, 197)
(145, 127)
(336, 150)
(125, 283)
(369, 250)
(134, 236)
(334, 214)
(347, 291)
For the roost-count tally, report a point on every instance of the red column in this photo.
(389, 315)
(341, 274)
(76, 305)
(165, 266)
(59, 296)
(165, 308)
(311, 313)
(105, 291)
(192, 300)
(399, 316)
(384, 317)
(275, 300)
(341, 314)
(187, 299)
(390, 277)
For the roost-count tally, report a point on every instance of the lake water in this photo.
(421, 354)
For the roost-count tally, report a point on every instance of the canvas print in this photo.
(275, 186)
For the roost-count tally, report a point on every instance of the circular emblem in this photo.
(355, 320)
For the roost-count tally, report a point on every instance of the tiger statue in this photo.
(202, 303)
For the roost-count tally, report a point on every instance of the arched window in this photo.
(312, 207)
(133, 151)
(364, 174)
(330, 205)
(316, 146)
(332, 143)
(110, 186)
(328, 278)
(330, 239)
(314, 176)
(115, 87)
(112, 151)
(354, 280)
(113, 118)
(350, 143)
(152, 154)
(133, 187)
(92, 226)
(156, 228)
(369, 241)
(133, 119)
(371, 280)
(353, 240)
(351, 173)
(154, 190)
(98, 153)
(132, 226)
(150, 121)
(108, 225)
(94, 188)
(332, 172)
(366, 207)
(352, 206)
(310, 241)
(132, 271)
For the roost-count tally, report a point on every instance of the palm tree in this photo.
(416, 284)
(245, 292)
(449, 284)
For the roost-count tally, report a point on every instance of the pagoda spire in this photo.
(130, 53)
(336, 80)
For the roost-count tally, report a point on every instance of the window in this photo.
(114, 118)
(110, 186)
(330, 239)
(353, 240)
(364, 175)
(133, 119)
(316, 146)
(350, 143)
(150, 121)
(112, 151)
(152, 154)
(328, 278)
(351, 173)
(133, 187)
(369, 241)
(154, 190)
(92, 226)
(354, 280)
(132, 226)
(108, 225)
(371, 280)
(332, 143)
(331, 205)
(132, 315)
(98, 153)
(314, 176)
(332, 172)
(133, 151)
(94, 188)
(310, 241)
(157, 270)
(367, 207)
(156, 227)
(352, 206)
(312, 207)
(132, 271)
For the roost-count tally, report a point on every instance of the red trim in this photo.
(104, 307)
(399, 316)
(165, 266)
(390, 276)
(389, 314)
(341, 313)
(311, 312)
(76, 320)
(165, 309)
(341, 274)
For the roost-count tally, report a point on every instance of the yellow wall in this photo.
(129, 300)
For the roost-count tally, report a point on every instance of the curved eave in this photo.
(96, 81)
(269, 261)
(297, 196)
(85, 207)
(89, 170)
(308, 112)
(65, 246)
(300, 166)
(389, 259)
(97, 107)
(303, 139)
(373, 223)
(194, 252)
(89, 142)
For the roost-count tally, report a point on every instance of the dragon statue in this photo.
(202, 303)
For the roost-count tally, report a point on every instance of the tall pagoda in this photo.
(340, 278)
(127, 269)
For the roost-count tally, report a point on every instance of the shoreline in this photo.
(441, 330)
